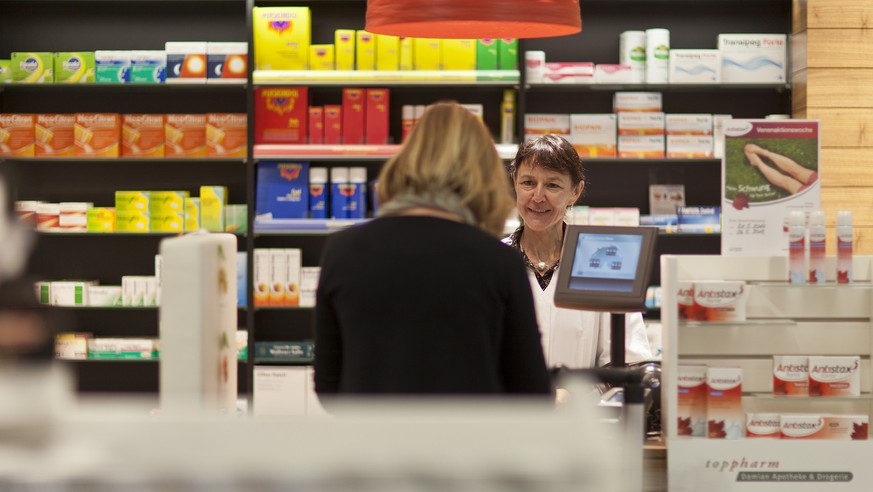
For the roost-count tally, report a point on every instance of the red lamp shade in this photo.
(472, 19)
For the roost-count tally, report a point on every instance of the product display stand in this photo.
(781, 319)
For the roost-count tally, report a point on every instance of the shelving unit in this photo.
(783, 319)
(88, 25)
(147, 24)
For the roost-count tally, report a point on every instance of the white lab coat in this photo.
(580, 339)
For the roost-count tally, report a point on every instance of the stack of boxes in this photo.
(180, 62)
(294, 190)
(283, 41)
(112, 135)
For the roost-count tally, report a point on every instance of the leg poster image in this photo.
(770, 168)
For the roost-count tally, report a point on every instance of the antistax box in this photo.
(833, 427)
(724, 402)
(691, 407)
(834, 376)
(763, 425)
(720, 300)
(790, 375)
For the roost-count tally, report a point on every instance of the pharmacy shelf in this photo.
(345, 152)
(123, 234)
(186, 88)
(283, 308)
(296, 227)
(105, 360)
(659, 87)
(658, 161)
(390, 78)
(125, 160)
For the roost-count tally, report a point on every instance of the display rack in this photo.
(147, 24)
(782, 319)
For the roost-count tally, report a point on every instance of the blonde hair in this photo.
(450, 153)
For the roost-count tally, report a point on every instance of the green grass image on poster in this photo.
(742, 178)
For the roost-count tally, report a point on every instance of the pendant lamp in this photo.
(474, 19)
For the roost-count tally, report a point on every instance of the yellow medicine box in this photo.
(387, 52)
(365, 50)
(282, 37)
(137, 201)
(458, 54)
(168, 222)
(132, 221)
(426, 53)
(344, 49)
(321, 57)
(212, 202)
(101, 219)
(192, 214)
(164, 202)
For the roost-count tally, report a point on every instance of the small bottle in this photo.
(407, 120)
(796, 248)
(318, 192)
(507, 117)
(844, 247)
(358, 198)
(339, 192)
(817, 247)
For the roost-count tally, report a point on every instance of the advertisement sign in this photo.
(770, 168)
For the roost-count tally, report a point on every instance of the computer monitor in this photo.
(605, 268)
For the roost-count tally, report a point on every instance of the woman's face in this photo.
(543, 196)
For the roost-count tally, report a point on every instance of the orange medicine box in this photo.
(54, 135)
(16, 135)
(97, 134)
(142, 135)
(226, 134)
(280, 115)
(185, 135)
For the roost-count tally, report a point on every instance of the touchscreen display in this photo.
(605, 262)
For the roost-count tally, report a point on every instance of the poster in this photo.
(769, 169)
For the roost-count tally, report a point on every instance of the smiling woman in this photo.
(548, 177)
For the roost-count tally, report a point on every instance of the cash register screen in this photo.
(608, 266)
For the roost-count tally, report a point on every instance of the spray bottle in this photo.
(796, 247)
(507, 117)
(844, 247)
(817, 247)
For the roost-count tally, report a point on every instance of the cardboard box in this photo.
(142, 135)
(316, 125)
(407, 54)
(387, 52)
(73, 216)
(344, 49)
(185, 136)
(724, 403)
(186, 62)
(835, 376)
(333, 125)
(262, 277)
(283, 189)
(74, 67)
(507, 54)
(641, 146)
(54, 135)
(640, 123)
(101, 219)
(365, 50)
(226, 135)
(691, 402)
(282, 37)
(192, 214)
(354, 113)
(150, 67)
(427, 53)
(637, 101)
(137, 201)
(33, 67)
(111, 67)
(165, 202)
(377, 110)
(212, 202)
(280, 115)
(227, 62)
(458, 54)
(763, 425)
(5, 71)
(831, 427)
(321, 57)
(486, 54)
(132, 221)
(689, 146)
(541, 124)
(753, 58)
(790, 375)
(97, 135)
(695, 67)
(593, 135)
(17, 137)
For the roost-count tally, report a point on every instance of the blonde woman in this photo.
(425, 299)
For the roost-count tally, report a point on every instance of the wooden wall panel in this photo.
(837, 47)
(845, 127)
(846, 168)
(835, 14)
(798, 93)
(838, 87)
(798, 15)
(862, 238)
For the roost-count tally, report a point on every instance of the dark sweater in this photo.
(422, 305)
